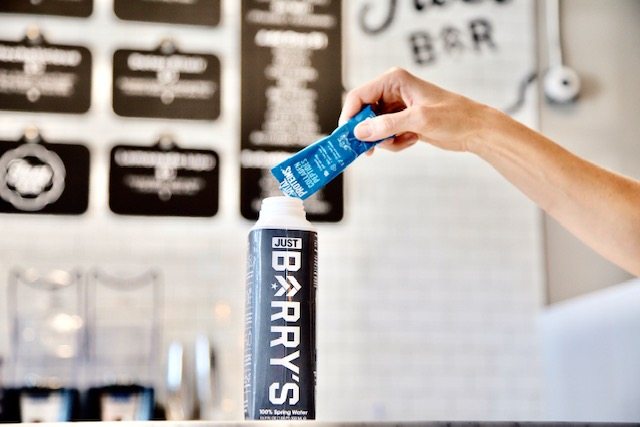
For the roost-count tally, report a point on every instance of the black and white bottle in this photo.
(280, 336)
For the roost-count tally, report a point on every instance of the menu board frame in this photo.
(75, 8)
(166, 83)
(37, 177)
(164, 180)
(38, 76)
(198, 12)
(291, 95)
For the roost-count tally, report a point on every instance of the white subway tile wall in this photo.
(436, 319)
(428, 288)
(427, 291)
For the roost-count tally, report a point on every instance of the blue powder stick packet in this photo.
(314, 166)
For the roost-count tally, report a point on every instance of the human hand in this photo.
(598, 206)
(413, 109)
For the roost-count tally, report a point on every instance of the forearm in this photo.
(599, 207)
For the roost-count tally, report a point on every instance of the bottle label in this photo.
(280, 338)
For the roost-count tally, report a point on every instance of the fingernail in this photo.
(363, 130)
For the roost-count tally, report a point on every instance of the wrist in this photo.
(489, 123)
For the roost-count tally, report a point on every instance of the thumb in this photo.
(384, 126)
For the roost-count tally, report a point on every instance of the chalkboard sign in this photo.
(41, 77)
(291, 93)
(77, 8)
(195, 12)
(38, 177)
(163, 180)
(166, 83)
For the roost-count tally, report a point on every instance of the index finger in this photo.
(369, 93)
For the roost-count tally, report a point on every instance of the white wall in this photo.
(429, 287)
(602, 43)
(428, 294)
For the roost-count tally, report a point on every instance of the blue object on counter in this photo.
(315, 166)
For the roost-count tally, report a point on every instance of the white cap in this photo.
(283, 212)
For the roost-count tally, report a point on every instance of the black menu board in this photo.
(42, 178)
(40, 77)
(77, 8)
(194, 12)
(163, 180)
(166, 83)
(291, 94)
